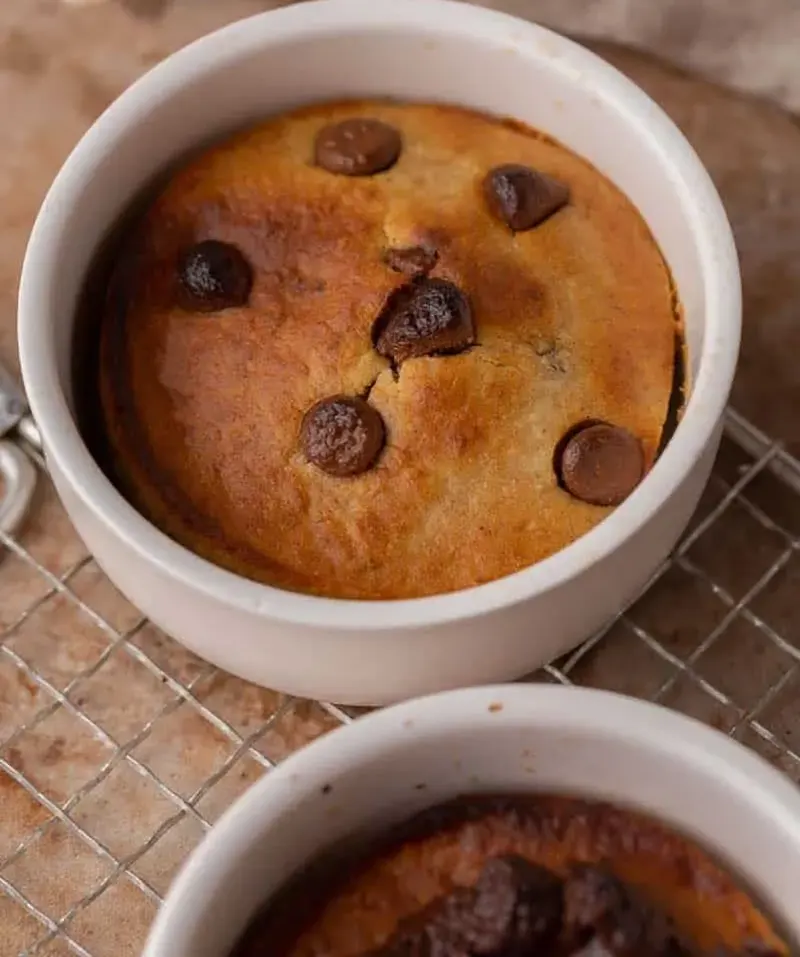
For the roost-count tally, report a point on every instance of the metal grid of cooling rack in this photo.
(83, 864)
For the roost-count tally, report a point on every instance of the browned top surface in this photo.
(574, 321)
(361, 913)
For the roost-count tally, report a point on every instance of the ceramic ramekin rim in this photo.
(604, 713)
(73, 462)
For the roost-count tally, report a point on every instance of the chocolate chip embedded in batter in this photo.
(342, 435)
(592, 898)
(600, 463)
(521, 197)
(514, 909)
(214, 275)
(357, 147)
(518, 904)
(412, 260)
(423, 318)
(599, 909)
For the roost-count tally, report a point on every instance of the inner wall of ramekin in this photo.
(561, 741)
(197, 101)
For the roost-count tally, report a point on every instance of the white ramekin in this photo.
(512, 739)
(369, 652)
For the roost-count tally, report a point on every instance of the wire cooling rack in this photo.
(119, 749)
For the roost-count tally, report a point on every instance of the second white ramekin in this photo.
(512, 740)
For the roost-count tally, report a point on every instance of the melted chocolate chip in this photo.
(357, 147)
(519, 903)
(342, 435)
(514, 909)
(593, 897)
(422, 318)
(521, 197)
(519, 909)
(412, 260)
(603, 916)
(213, 276)
(600, 464)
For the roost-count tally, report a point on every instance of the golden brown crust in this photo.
(360, 912)
(574, 321)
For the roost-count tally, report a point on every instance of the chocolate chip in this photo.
(522, 197)
(342, 435)
(412, 260)
(357, 147)
(592, 897)
(519, 905)
(600, 463)
(422, 318)
(214, 275)
(514, 909)
(603, 916)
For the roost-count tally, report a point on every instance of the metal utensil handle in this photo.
(13, 406)
(17, 470)
(19, 477)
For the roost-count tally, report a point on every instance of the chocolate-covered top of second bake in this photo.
(515, 876)
(378, 350)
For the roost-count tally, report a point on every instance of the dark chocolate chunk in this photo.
(214, 275)
(357, 147)
(521, 197)
(600, 463)
(593, 899)
(342, 435)
(422, 318)
(514, 909)
(604, 916)
(518, 905)
(412, 260)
